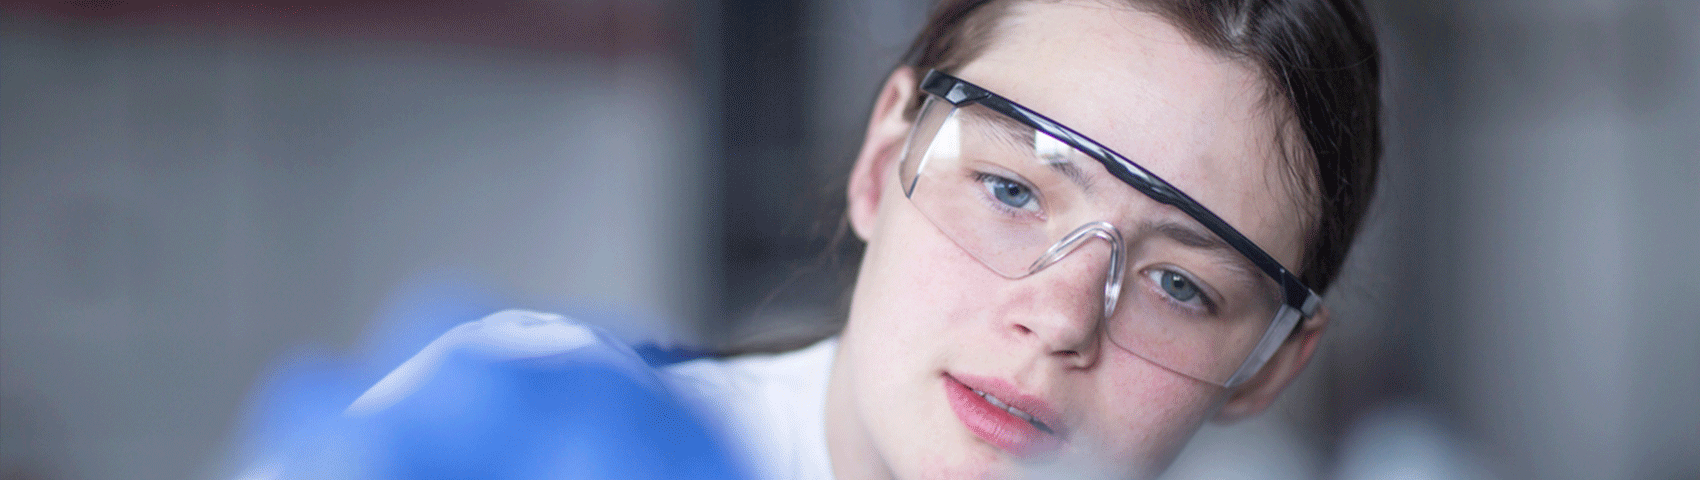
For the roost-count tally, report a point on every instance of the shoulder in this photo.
(502, 336)
(799, 368)
(774, 405)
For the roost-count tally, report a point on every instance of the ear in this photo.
(1255, 395)
(881, 150)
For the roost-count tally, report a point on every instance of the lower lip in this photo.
(996, 425)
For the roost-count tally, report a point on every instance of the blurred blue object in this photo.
(595, 410)
(568, 416)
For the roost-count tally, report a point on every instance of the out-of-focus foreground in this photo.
(189, 192)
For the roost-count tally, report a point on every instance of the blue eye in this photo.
(1177, 286)
(1008, 192)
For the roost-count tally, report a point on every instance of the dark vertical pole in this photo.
(762, 151)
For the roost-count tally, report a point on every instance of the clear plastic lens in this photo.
(1020, 200)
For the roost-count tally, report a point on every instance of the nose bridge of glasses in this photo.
(1081, 236)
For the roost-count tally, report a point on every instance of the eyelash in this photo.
(1205, 299)
(980, 178)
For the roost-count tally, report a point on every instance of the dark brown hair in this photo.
(1323, 77)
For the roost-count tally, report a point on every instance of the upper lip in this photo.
(1011, 395)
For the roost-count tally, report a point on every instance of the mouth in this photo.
(1015, 411)
(997, 413)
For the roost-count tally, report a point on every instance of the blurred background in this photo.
(191, 191)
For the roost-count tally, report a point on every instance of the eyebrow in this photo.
(1011, 130)
(1195, 236)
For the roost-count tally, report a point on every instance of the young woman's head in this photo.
(1028, 297)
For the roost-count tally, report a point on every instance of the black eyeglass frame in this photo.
(961, 93)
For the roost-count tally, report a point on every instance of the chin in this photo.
(1006, 470)
(973, 460)
(986, 470)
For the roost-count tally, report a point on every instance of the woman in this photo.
(1211, 97)
(1076, 216)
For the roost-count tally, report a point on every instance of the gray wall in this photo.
(179, 209)
(1561, 180)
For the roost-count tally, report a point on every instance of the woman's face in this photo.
(928, 320)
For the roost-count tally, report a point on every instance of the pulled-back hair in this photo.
(1318, 59)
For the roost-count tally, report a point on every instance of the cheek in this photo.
(913, 282)
(913, 311)
(1147, 414)
(908, 306)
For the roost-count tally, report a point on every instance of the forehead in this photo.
(1136, 84)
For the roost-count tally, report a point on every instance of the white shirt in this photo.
(772, 407)
(775, 405)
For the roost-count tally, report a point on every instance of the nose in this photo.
(1075, 285)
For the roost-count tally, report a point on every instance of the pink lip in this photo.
(997, 426)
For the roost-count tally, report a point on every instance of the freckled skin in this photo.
(922, 307)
